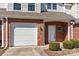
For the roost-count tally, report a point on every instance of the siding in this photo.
(38, 7)
(10, 7)
(3, 5)
(77, 11)
(24, 7)
(60, 7)
(72, 11)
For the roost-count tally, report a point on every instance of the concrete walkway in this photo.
(74, 54)
(25, 51)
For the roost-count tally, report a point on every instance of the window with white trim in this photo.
(52, 6)
(31, 6)
(48, 5)
(60, 28)
(17, 6)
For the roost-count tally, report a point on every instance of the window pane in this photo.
(17, 6)
(54, 6)
(48, 5)
(31, 6)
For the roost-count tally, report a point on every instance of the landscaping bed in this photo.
(62, 52)
(66, 48)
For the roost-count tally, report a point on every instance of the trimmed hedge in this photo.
(75, 43)
(68, 44)
(71, 44)
(54, 46)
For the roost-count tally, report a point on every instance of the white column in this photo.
(68, 31)
(72, 31)
(2, 33)
(6, 32)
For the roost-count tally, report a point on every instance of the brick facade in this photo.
(40, 28)
(60, 35)
(76, 31)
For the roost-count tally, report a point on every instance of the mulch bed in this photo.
(2, 50)
(62, 52)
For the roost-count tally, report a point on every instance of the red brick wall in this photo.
(76, 31)
(40, 34)
(61, 35)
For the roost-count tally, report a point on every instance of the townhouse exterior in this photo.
(38, 23)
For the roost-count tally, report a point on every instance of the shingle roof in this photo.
(44, 15)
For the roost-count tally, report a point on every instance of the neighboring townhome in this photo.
(38, 23)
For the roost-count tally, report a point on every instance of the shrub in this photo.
(75, 43)
(54, 46)
(68, 44)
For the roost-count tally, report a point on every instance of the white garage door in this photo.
(23, 34)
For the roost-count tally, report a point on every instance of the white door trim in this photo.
(2, 33)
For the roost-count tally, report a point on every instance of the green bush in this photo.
(75, 43)
(54, 46)
(68, 44)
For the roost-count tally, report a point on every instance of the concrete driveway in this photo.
(25, 51)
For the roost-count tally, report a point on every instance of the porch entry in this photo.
(51, 33)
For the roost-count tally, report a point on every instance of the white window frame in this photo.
(32, 11)
(52, 8)
(17, 10)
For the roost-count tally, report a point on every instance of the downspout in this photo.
(6, 32)
(2, 33)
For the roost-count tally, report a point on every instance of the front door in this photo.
(51, 33)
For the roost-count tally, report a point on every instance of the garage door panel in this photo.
(24, 42)
(24, 34)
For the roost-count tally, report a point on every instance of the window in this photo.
(54, 6)
(17, 6)
(48, 5)
(31, 6)
(60, 28)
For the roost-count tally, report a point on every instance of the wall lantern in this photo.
(72, 22)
